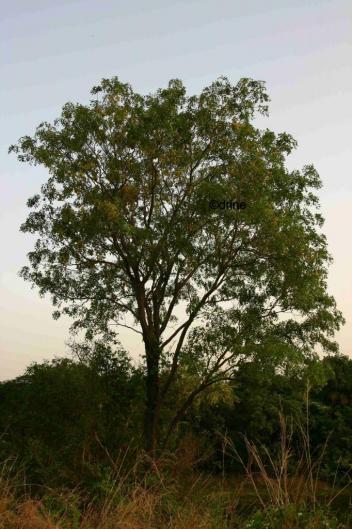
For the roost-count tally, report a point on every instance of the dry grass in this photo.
(142, 510)
(169, 494)
(133, 499)
(283, 485)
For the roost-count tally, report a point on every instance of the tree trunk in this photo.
(152, 404)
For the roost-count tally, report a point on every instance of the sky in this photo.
(54, 52)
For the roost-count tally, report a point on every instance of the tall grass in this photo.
(136, 492)
(286, 487)
(129, 497)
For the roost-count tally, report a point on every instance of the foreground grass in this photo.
(158, 509)
(171, 495)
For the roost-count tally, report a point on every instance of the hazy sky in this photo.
(53, 52)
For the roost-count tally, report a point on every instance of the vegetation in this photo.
(230, 419)
(127, 234)
(243, 457)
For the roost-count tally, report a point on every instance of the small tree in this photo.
(134, 220)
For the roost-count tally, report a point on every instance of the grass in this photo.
(170, 494)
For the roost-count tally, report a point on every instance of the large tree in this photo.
(134, 221)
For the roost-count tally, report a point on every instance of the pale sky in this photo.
(53, 52)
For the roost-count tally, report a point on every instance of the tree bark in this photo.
(152, 404)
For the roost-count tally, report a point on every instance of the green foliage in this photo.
(331, 416)
(62, 416)
(261, 392)
(67, 420)
(64, 507)
(294, 517)
(124, 230)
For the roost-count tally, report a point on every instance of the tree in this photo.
(127, 228)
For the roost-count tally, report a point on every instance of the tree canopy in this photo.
(126, 227)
